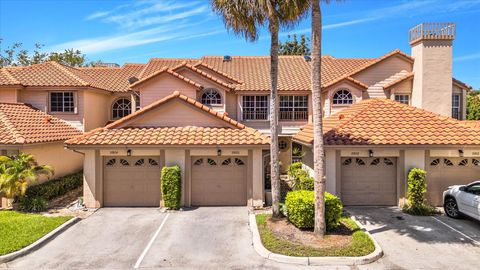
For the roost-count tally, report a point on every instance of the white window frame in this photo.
(255, 107)
(63, 106)
(456, 108)
(294, 108)
(204, 92)
(342, 100)
(115, 102)
(402, 98)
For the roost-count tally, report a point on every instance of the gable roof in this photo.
(203, 74)
(167, 71)
(386, 122)
(22, 124)
(115, 134)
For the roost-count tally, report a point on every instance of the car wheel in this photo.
(451, 208)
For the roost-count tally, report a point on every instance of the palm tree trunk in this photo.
(318, 148)
(275, 166)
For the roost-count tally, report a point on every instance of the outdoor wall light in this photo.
(129, 152)
(460, 152)
(370, 153)
(219, 152)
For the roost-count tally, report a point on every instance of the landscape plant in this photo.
(171, 187)
(417, 187)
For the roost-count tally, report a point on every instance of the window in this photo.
(347, 162)
(342, 97)
(227, 161)
(293, 108)
(375, 162)
(211, 162)
(435, 162)
(405, 99)
(62, 102)
(359, 162)
(447, 162)
(463, 162)
(140, 162)
(198, 162)
(124, 162)
(152, 162)
(474, 189)
(122, 107)
(456, 106)
(388, 162)
(211, 97)
(254, 107)
(111, 162)
(239, 162)
(137, 101)
(476, 162)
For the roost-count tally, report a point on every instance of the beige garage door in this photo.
(219, 181)
(369, 181)
(445, 172)
(131, 181)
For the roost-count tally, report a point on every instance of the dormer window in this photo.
(211, 97)
(342, 97)
(121, 108)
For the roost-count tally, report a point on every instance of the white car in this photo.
(462, 199)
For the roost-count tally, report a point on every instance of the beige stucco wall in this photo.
(329, 92)
(96, 114)
(63, 161)
(9, 95)
(91, 194)
(404, 87)
(383, 70)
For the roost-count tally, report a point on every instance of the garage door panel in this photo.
(368, 181)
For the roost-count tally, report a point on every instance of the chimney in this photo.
(432, 49)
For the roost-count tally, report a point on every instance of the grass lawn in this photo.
(18, 230)
(360, 243)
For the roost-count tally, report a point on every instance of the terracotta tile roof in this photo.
(156, 64)
(206, 66)
(386, 122)
(115, 134)
(204, 74)
(461, 84)
(114, 79)
(7, 79)
(347, 78)
(22, 124)
(169, 71)
(471, 123)
(405, 77)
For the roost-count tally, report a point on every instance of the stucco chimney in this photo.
(432, 49)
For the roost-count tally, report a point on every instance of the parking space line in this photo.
(466, 236)
(140, 259)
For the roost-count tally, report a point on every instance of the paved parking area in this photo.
(219, 238)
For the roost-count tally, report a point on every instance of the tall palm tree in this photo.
(245, 18)
(16, 173)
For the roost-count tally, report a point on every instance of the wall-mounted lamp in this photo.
(129, 152)
(460, 152)
(370, 153)
(219, 152)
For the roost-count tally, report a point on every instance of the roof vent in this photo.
(307, 58)
(227, 58)
(132, 80)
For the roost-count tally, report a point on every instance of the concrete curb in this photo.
(40, 242)
(318, 261)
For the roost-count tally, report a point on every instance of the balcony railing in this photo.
(444, 31)
(294, 116)
(255, 115)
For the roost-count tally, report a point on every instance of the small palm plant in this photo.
(17, 172)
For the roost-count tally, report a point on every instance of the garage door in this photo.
(369, 181)
(219, 181)
(131, 181)
(445, 172)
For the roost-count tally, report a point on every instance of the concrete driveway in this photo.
(420, 242)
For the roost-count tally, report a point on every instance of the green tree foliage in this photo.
(294, 47)
(473, 105)
(15, 55)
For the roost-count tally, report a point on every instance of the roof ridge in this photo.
(228, 76)
(10, 76)
(171, 72)
(69, 73)
(204, 74)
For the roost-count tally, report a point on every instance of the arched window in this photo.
(121, 107)
(342, 97)
(211, 97)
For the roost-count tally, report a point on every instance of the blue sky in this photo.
(134, 31)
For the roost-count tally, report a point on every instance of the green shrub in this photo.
(417, 187)
(301, 209)
(55, 188)
(33, 204)
(301, 178)
(171, 187)
(294, 168)
(421, 210)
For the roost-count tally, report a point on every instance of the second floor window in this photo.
(137, 101)
(211, 97)
(342, 97)
(293, 108)
(405, 99)
(254, 107)
(121, 108)
(456, 106)
(62, 102)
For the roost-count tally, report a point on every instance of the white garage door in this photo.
(369, 181)
(448, 171)
(131, 181)
(219, 180)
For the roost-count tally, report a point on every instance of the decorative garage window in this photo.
(198, 162)
(388, 162)
(211, 97)
(124, 162)
(121, 107)
(342, 97)
(140, 162)
(476, 162)
(111, 162)
(359, 162)
(375, 162)
(239, 162)
(447, 162)
(211, 162)
(152, 162)
(347, 162)
(435, 162)
(227, 161)
(463, 162)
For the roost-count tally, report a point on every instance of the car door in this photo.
(469, 200)
(475, 191)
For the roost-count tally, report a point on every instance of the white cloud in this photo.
(467, 57)
(96, 15)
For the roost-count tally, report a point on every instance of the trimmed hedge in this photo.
(301, 209)
(301, 179)
(171, 187)
(417, 187)
(33, 204)
(56, 187)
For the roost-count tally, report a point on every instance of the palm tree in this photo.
(245, 17)
(17, 172)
